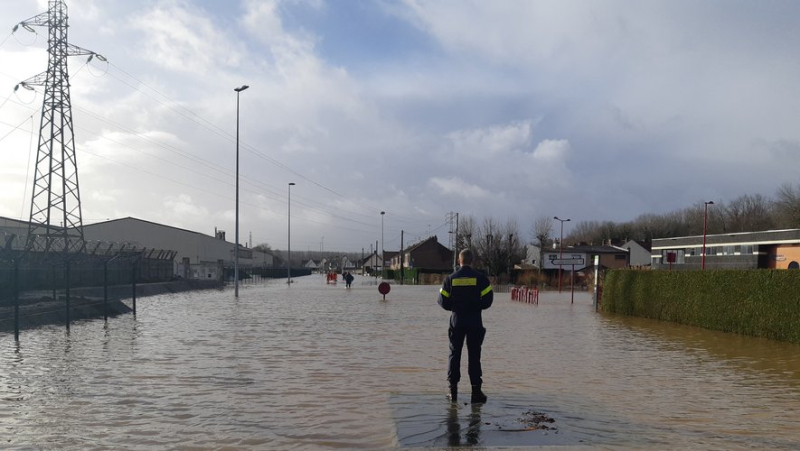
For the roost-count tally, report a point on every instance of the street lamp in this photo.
(705, 226)
(236, 249)
(561, 249)
(289, 239)
(383, 260)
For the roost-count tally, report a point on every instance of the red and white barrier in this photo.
(525, 294)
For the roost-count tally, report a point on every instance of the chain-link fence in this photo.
(44, 288)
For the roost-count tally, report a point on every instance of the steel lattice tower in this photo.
(55, 223)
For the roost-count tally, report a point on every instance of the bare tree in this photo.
(511, 252)
(787, 206)
(540, 233)
(585, 232)
(466, 233)
(490, 237)
(749, 213)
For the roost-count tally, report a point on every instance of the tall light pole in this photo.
(561, 249)
(383, 260)
(289, 239)
(705, 226)
(236, 249)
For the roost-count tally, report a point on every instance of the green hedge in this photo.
(762, 303)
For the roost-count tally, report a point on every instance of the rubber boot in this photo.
(477, 395)
(452, 393)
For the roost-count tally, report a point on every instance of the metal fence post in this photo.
(16, 300)
(66, 274)
(53, 281)
(105, 290)
(133, 284)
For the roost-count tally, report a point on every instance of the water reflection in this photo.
(469, 436)
(761, 358)
(317, 366)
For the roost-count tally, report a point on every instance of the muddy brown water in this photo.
(313, 366)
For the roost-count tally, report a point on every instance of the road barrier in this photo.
(525, 294)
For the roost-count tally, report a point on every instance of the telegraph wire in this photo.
(214, 128)
(217, 168)
(15, 127)
(27, 171)
(259, 207)
(6, 39)
(6, 100)
(219, 131)
(278, 195)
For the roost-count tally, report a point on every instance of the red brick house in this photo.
(427, 254)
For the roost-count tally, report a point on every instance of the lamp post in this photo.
(561, 249)
(383, 260)
(705, 226)
(289, 239)
(236, 248)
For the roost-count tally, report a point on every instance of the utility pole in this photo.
(452, 219)
(56, 223)
(402, 257)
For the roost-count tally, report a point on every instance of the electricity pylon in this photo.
(56, 224)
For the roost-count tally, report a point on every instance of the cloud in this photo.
(503, 108)
(180, 38)
(492, 141)
(551, 150)
(456, 186)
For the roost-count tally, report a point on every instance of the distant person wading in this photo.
(466, 293)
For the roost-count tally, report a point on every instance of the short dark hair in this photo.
(466, 256)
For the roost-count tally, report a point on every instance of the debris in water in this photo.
(534, 421)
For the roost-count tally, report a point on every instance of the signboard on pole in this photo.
(567, 261)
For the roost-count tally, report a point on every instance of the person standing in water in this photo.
(466, 293)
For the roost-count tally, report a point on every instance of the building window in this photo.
(620, 257)
(679, 256)
(747, 249)
(728, 250)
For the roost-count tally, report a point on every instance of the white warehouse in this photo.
(198, 255)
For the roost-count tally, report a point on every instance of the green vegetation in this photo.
(761, 303)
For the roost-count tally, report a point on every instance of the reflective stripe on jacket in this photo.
(466, 293)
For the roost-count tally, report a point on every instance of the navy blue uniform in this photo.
(466, 293)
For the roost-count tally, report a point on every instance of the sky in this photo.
(509, 109)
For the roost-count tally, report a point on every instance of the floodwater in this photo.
(311, 366)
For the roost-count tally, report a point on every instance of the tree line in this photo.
(499, 246)
(746, 213)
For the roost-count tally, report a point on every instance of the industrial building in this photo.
(771, 249)
(197, 256)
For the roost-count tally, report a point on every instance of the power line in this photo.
(15, 127)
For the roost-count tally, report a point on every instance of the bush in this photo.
(761, 303)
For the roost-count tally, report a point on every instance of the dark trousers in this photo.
(474, 338)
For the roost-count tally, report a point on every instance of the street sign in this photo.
(567, 261)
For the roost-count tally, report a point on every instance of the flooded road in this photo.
(319, 366)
